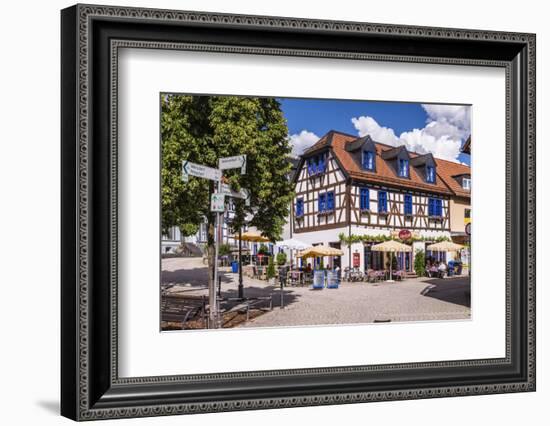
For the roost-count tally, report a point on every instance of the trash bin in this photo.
(235, 266)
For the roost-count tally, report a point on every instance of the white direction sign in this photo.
(217, 202)
(233, 163)
(198, 170)
(226, 189)
(242, 194)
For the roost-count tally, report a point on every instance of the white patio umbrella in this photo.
(391, 247)
(292, 244)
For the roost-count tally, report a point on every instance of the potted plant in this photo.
(281, 258)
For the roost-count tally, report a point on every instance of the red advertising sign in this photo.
(356, 260)
(405, 234)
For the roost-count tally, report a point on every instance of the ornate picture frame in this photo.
(91, 386)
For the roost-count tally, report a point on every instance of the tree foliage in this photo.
(419, 263)
(201, 129)
(353, 238)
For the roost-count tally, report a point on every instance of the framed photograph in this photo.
(265, 212)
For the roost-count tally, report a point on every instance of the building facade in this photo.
(350, 186)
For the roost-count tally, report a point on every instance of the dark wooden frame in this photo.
(90, 386)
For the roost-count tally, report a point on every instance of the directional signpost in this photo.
(217, 205)
(198, 170)
(242, 194)
(235, 162)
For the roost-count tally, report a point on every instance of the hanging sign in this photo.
(217, 202)
(404, 234)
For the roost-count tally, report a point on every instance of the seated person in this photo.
(442, 269)
(308, 268)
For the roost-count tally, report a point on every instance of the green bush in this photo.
(263, 250)
(270, 272)
(224, 249)
(281, 258)
(419, 263)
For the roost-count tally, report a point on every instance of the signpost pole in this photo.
(212, 288)
(240, 288)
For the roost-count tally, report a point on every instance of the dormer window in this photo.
(466, 183)
(430, 174)
(368, 160)
(403, 167)
(316, 165)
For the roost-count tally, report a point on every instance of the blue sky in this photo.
(440, 129)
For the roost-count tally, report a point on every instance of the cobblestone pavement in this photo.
(420, 299)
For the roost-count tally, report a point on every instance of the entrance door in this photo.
(368, 257)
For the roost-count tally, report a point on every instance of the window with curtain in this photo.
(299, 207)
(364, 201)
(382, 202)
(403, 167)
(368, 160)
(408, 204)
(330, 201)
(430, 174)
(435, 207)
(321, 202)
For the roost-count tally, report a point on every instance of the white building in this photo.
(358, 187)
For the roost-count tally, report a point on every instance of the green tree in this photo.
(202, 129)
(419, 263)
(281, 258)
(270, 271)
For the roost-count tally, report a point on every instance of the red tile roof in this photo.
(385, 174)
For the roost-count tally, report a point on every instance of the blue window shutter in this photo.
(364, 200)
(439, 211)
(430, 207)
(382, 201)
(330, 201)
(408, 204)
(321, 202)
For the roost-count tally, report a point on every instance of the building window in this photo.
(330, 201)
(321, 202)
(364, 200)
(430, 174)
(435, 207)
(466, 182)
(467, 213)
(368, 160)
(403, 167)
(382, 202)
(408, 205)
(299, 207)
(316, 165)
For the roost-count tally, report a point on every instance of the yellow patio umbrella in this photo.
(391, 247)
(317, 251)
(445, 246)
(254, 236)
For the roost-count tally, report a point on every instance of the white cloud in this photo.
(369, 126)
(302, 141)
(446, 128)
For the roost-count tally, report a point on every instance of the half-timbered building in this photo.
(357, 186)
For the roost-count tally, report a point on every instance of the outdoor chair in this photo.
(308, 278)
(294, 278)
